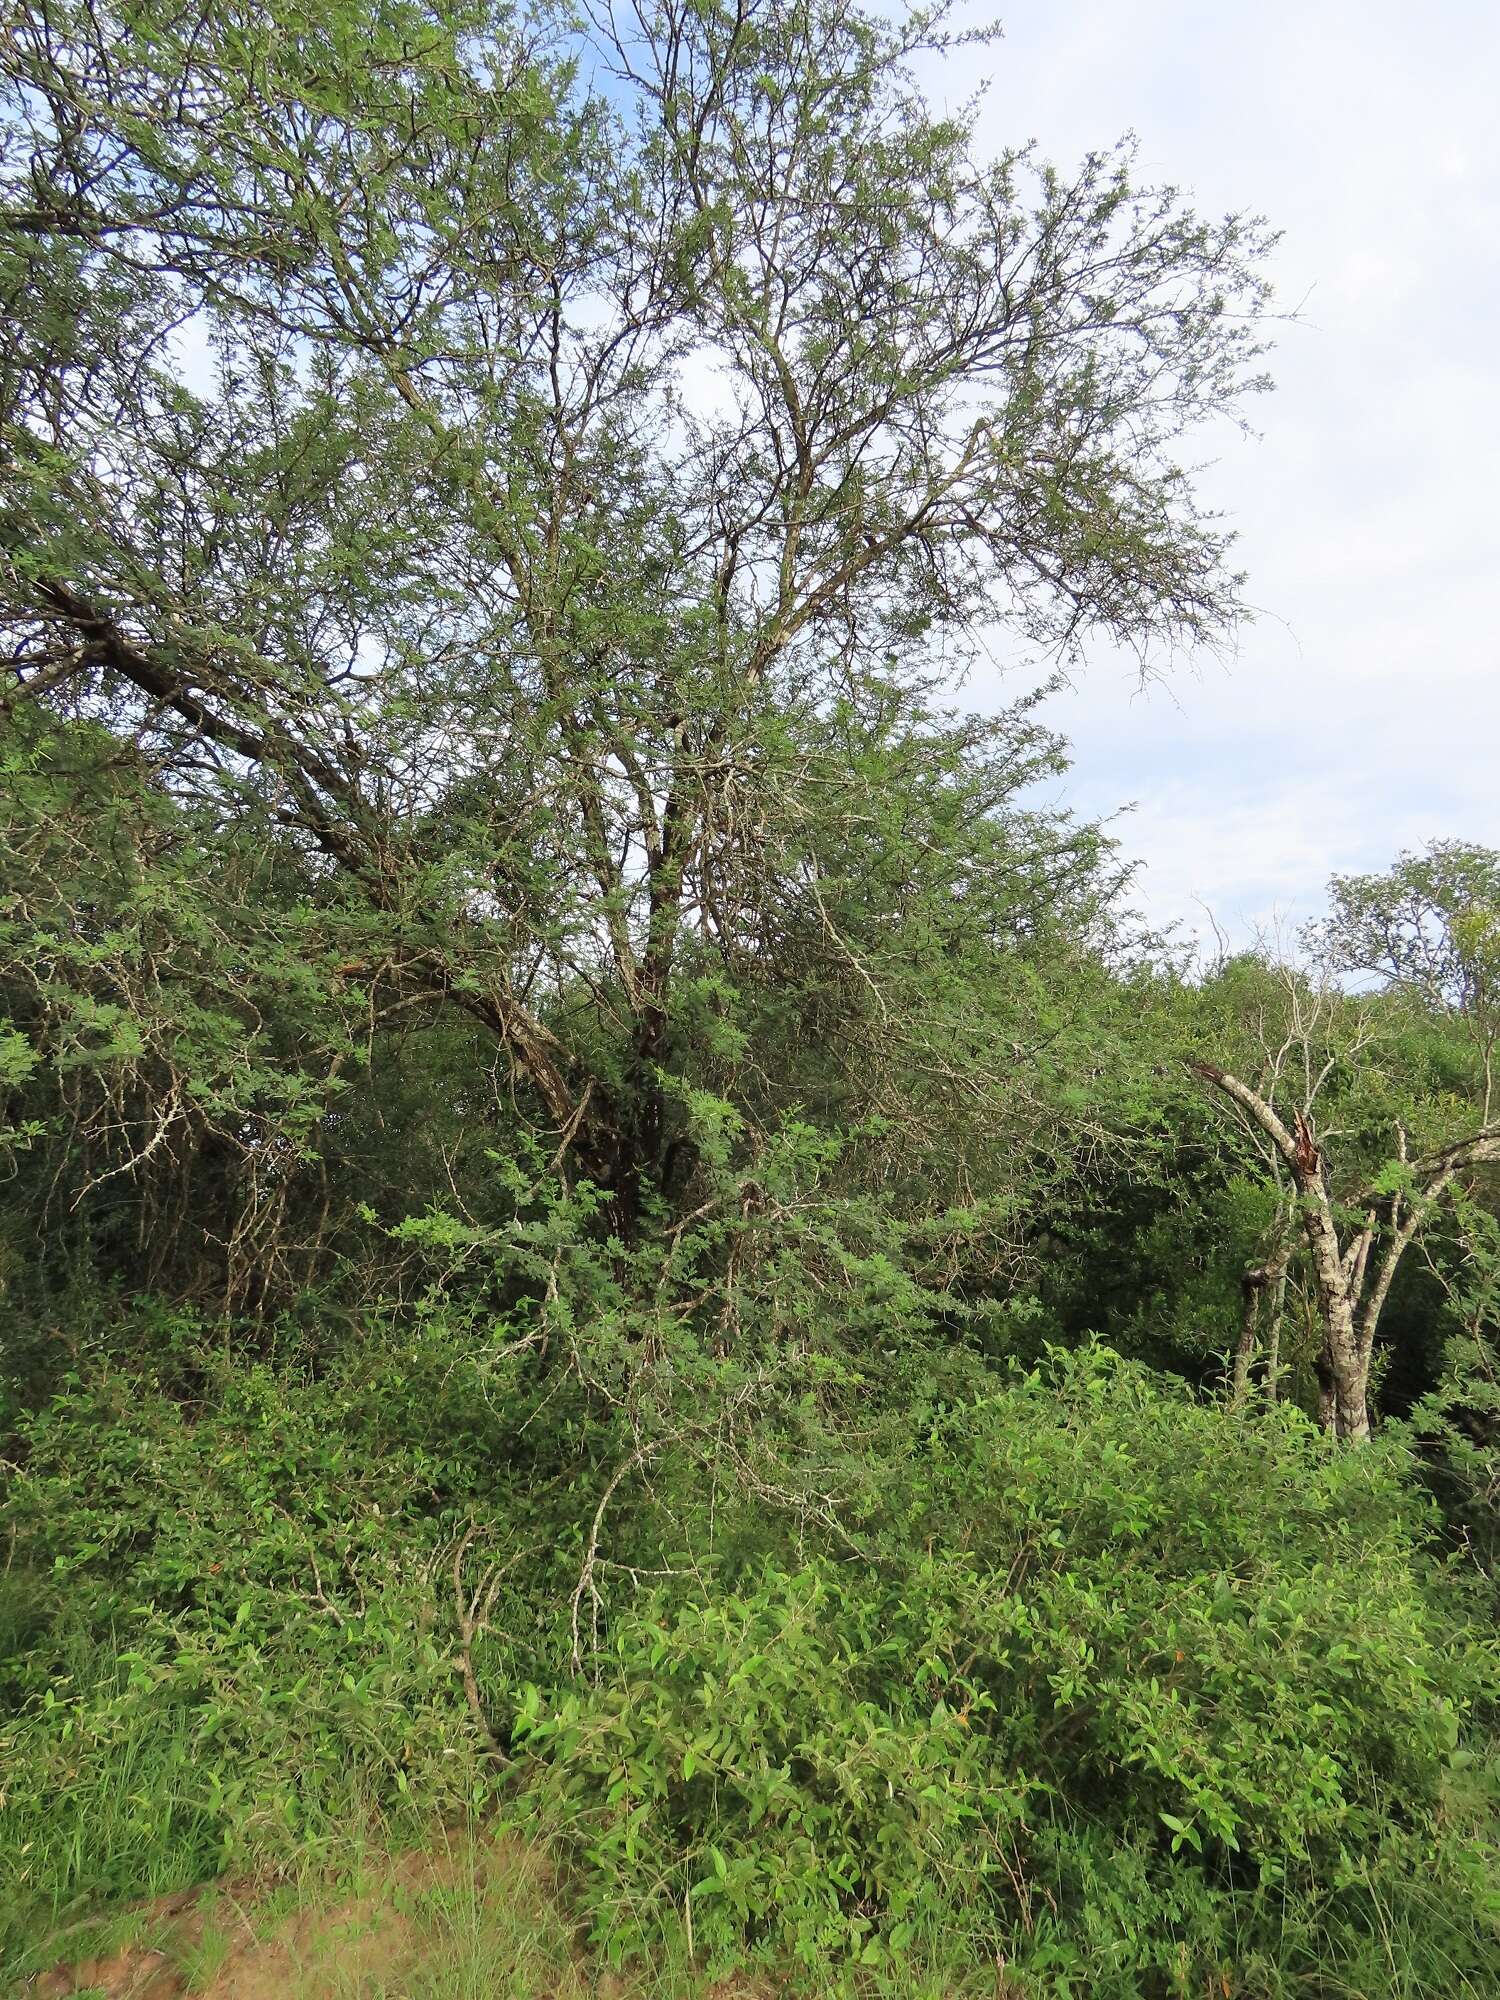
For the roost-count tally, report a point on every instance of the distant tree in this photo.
(1429, 927)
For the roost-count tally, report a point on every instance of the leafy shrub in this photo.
(1112, 1691)
(226, 1633)
(1083, 1679)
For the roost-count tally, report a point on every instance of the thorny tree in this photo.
(539, 468)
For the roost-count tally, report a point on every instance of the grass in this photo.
(471, 1916)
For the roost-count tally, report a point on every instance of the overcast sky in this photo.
(1362, 711)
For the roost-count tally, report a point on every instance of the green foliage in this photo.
(561, 703)
(547, 1077)
(1112, 1696)
(1081, 1678)
(227, 1623)
(1429, 923)
(1456, 1422)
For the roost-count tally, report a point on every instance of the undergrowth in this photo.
(1082, 1682)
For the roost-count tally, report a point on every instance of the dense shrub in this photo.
(1082, 1678)
(226, 1630)
(1110, 1691)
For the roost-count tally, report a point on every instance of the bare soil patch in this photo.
(237, 1941)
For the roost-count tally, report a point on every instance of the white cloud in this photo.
(1363, 710)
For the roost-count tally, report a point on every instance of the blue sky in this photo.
(1361, 711)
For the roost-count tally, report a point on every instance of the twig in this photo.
(470, 1619)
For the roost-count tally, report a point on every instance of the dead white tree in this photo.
(1353, 1267)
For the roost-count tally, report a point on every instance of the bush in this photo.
(1114, 1692)
(226, 1631)
(1085, 1679)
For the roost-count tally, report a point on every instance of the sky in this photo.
(1360, 713)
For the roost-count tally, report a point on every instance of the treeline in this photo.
(1005, 1118)
(606, 1222)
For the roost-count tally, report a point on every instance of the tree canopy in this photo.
(600, 437)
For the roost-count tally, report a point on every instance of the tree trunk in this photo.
(1326, 1397)
(1348, 1364)
(1273, 1331)
(1250, 1288)
(1264, 1289)
(1344, 1370)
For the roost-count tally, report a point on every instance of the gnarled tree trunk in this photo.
(1350, 1300)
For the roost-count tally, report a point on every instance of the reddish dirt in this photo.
(228, 1942)
(222, 1945)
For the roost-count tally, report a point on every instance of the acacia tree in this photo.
(1429, 929)
(600, 436)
